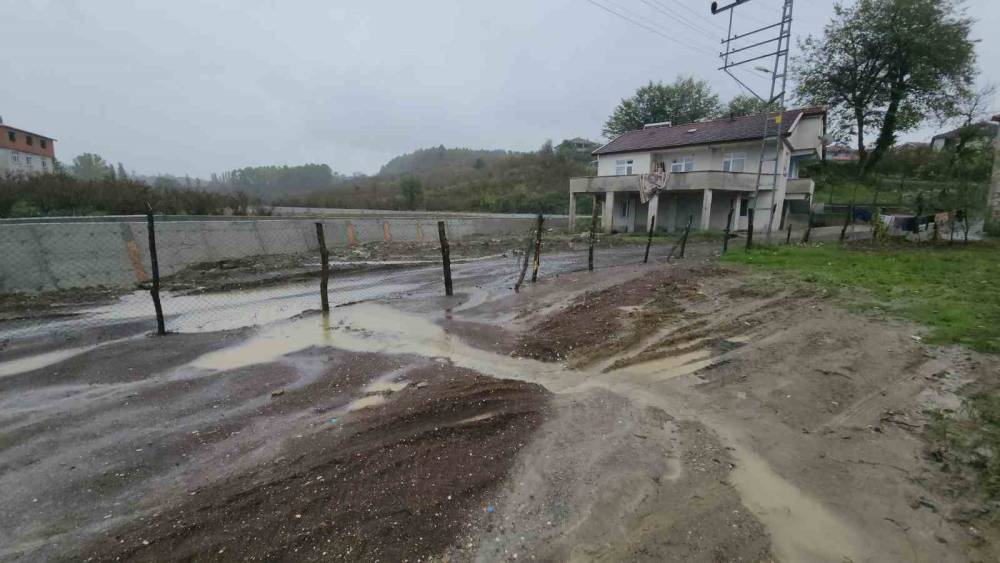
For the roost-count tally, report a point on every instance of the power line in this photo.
(678, 17)
(700, 17)
(652, 29)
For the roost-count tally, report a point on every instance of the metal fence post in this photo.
(445, 258)
(538, 249)
(324, 279)
(154, 291)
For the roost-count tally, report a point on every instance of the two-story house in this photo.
(24, 152)
(709, 168)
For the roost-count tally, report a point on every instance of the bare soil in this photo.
(660, 412)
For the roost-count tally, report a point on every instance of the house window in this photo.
(29, 140)
(45, 165)
(12, 136)
(682, 164)
(734, 162)
(27, 161)
(623, 167)
(44, 143)
(15, 157)
(744, 205)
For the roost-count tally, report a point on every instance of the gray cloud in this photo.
(188, 87)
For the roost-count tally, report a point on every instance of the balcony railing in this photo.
(698, 180)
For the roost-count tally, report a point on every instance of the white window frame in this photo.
(27, 161)
(45, 165)
(623, 167)
(731, 159)
(682, 164)
(15, 157)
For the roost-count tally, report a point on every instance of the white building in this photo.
(710, 166)
(24, 152)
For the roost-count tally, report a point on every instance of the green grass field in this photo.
(953, 290)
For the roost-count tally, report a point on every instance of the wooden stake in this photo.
(649, 239)
(154, 291)
(684, 241)
(524, 264)
(445, 258)
(324, 279)
(538, 249)
(788, 237)
(750, 213)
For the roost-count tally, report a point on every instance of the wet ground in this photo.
(656, 412)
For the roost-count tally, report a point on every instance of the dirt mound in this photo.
(604, 322)
(391, 482)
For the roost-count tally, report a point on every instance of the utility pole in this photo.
(768, 42)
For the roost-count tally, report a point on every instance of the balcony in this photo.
(678, 181)
(800, 188)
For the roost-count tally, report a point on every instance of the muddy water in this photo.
(802, 528)
(39, 361)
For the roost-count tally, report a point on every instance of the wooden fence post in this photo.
(445, 258)
(524, 264)
(593, 234)
(750, 214)
(538, 249)
(770, 221)
(154, 291)
(324, 256)
(788, 237)
(847, 221)
(684, 241)
(649, 238)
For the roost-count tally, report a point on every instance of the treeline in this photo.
(272, 182)
(461, 180)
(61, 194)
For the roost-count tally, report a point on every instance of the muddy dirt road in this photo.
(660, 412)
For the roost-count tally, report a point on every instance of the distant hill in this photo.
(460, 179)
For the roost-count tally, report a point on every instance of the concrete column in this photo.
(706, 210)
(572, 213)
(737, 209)
(609, 212)
(652, 207)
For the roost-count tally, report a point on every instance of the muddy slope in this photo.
(392, 482)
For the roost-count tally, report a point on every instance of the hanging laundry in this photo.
(651, 184)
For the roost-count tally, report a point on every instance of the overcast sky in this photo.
(200, 87)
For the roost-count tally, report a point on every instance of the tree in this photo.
(746, 104)
(547, 149)
(684, 101)
(886, 64)
(412, 190)
(121, 172)
(90, 166)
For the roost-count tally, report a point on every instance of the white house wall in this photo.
(606, 163)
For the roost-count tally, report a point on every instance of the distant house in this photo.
(841, 153)
(579, 144)
(25, 152)
(985, 132)
(910, 146)
(705, 169)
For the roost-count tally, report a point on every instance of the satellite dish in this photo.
(827, 140)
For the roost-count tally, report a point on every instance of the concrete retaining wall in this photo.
(48, 255)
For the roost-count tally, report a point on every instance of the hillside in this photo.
(459, 179)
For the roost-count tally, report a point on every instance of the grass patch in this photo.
(950, 289)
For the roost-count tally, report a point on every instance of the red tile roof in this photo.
(745, 128)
